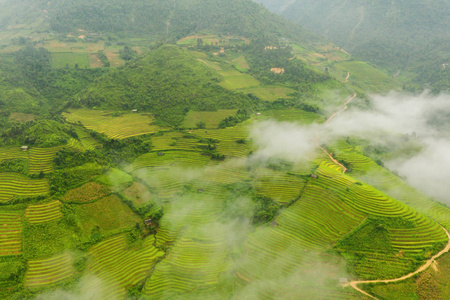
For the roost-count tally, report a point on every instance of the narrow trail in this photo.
(344, 169)
(346, 78)
(345, 108)
(354, 284)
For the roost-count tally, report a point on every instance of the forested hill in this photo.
(167, 82)
(399, 35)
(158, 19)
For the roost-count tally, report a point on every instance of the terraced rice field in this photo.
(42, 213)
(279, 186)
(88, 142)
(121, 127)
(380, 178)
(274, 254)
(10, 233)
(406, 242)
(198, 256)
(88, 192)
(192, 264)
(190, 209)
(367, 170)
(12, 153)
(211, 118)
(43, 272)
(17, 185)
(291, 115)
(228, 138)
(228, 172)
(138, 194)
(175, 141)
(119, 266)
(75, 144)
(268, 92)
(166, 183)
(41, 159)
(178, 159)
(109, 214)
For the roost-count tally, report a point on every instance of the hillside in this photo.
(154, 19)
(402, 36)
(168, 82)
(195, 149)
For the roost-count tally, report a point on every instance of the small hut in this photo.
(134, 111)
(258, 114)
(160, 153)
(314, 176)
(200, 190)
(24, 148)
(148, 222)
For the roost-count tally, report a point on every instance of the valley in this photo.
(190, 159)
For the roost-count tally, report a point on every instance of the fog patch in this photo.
(90, 287)
(425, 117)
(283, 140)
(429, 171)
(315, 277)
(394, 113)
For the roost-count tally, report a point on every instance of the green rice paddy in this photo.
(48, 271)
(123, 126)
(10, 233)
(17, 185)
(45, 212)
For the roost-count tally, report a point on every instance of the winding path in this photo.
(346, 78)
(354, 284)
(345, 108)
(344, 169)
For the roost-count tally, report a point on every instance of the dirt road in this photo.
(354, 284)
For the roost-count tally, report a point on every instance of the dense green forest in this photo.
(31, 85)
(402, 36)
(154, 19)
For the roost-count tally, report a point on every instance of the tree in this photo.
(200, 125)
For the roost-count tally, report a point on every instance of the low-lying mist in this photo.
(424, 117)
(224, 217)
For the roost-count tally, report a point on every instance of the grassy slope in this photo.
(166, 81)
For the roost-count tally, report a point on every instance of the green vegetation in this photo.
(140, 177)
(45, 212)
(71, 60)
(17, 185)
(169, 82)
(107, 215)
(49, 271)
(408, 38)
(10, 233)
(114, 126)
(120, 266)
(365, 76)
